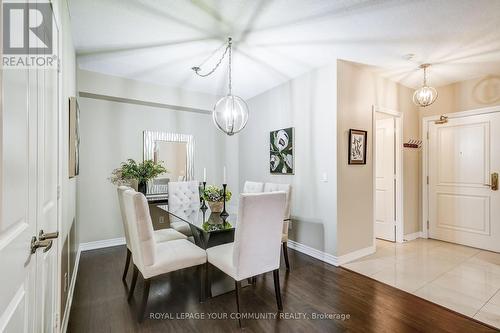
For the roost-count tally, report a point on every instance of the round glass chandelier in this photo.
(425, 95)
(230, 113)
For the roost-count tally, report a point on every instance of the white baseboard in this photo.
(320, 255)
(329, 258)
(69, 301)
(415, 235)
(84, 247)
(351, 256)
(102, 244)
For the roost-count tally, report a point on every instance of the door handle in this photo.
(35, 244)
(51, 235)
(494, 182)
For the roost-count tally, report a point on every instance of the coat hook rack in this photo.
(413, 144)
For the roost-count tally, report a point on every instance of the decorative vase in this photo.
(142, 187)
(216, 206)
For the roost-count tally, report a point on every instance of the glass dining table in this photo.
(208, 229)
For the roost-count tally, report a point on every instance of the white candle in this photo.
(224, 179)
(204, 174)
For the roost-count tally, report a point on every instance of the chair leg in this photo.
(237, 286)
(277, 291)
(127, 263)
(285, 254)
(144, 303)
(203, 282)
(132, 285)
(208, 283)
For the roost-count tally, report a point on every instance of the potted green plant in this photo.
(141, 172)
(213, 195)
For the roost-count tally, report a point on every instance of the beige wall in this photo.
(358, 89)
(465, 95)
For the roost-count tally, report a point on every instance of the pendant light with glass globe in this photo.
(230, 113)
(425, 95)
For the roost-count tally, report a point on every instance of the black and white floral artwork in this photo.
(357, 146)
(281, 151)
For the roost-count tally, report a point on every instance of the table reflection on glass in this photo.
(208, 229)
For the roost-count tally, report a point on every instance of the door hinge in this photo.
(58, 192)
(427, 180)
(427, 224)
(58, 65)
(427, 135)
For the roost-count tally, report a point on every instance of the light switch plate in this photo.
(324, 177)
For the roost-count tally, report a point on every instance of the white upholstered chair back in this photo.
(140, 228)
(253, 187)
(183, 194)
(120, 190)
(257, 238)
(287, 188)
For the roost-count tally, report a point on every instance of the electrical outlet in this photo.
(161, 219)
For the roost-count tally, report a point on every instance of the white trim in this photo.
(329, 258)
(412, 236)
(398, 118)
(102, 244)
(351, 256)
(69, 300)
(425, 153)
(320, 255)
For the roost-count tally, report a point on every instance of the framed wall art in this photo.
(281, 151)
(357, 146)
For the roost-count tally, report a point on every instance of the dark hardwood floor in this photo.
(312, 287)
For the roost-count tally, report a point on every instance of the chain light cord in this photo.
(197, 69)
(230, 46)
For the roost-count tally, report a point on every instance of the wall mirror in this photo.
(176, 151)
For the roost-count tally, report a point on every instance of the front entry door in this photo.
(464, 153)
(385, 214)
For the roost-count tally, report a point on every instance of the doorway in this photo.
(387, 171)
(461, 166)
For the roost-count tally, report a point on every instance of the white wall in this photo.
(307, 103)
(67, 228)
(111, 132)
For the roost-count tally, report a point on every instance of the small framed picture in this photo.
(357, 146)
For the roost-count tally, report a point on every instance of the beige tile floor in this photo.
(461, 278)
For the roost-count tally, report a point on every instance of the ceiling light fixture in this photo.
(425, 95)
(230, 113)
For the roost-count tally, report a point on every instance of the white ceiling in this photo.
(275, 40)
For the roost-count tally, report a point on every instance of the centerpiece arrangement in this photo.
(130, 171)
(214, 196)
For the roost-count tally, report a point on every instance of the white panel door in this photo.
(463, 154)
(385, 217)
(18, 200)
(47, 203)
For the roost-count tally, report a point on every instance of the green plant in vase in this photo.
(141, 172)
(214, 196)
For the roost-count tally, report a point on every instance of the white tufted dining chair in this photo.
(162, 235)
(253, 187)
(151, 258)
(253, 251)
(182, 196)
